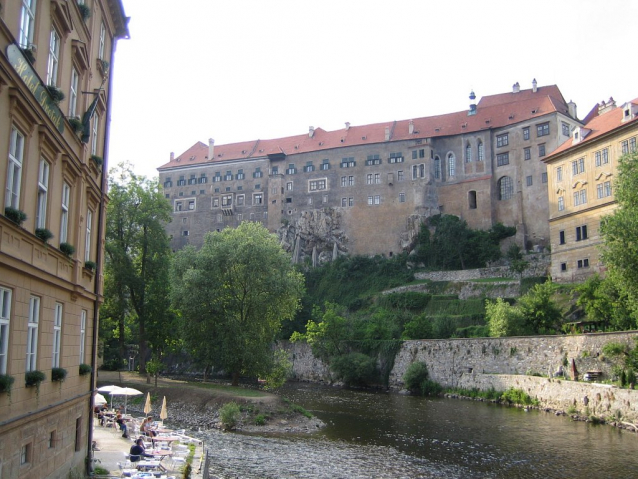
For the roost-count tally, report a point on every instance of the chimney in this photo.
(211, 149)
(347, 125)
(311, 131)
(172, 155)
(571, 109)
(605, 107)
(387, 133)
(516, 88)
(534, 83)
(411, 127)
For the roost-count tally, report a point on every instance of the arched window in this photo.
(481, 154)
(468, 153)
(505, 188)
(437, 168)
(451, 165)
(471, 198)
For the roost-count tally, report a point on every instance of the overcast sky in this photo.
(238, 70)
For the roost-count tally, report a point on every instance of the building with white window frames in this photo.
(581, 174)
(469, 163)
(52, 168)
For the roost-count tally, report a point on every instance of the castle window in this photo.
(541, 150)
(528, 180)
(561, 203)
(527, 153)
(505, 188)
(348, 162)
(468, 153)
(526, 133)
(309, 167)
(580, 197)
(451, 165)
(396, 157)
(565, 127)
(437, 168)
(325, 165)
(471, 198)
(561, 237)
(503, 159)
(502, 140)
(481, 151)
(581, 233)
(401, 197)
(542, 129)
(373, 160)
(559, 173)
(583, 263)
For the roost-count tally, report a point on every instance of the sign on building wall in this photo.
(30, 78)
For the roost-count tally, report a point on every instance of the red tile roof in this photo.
(598, 125)
(494, 111)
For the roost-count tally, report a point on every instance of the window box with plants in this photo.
(90, 266)
(15, 215)
(85, 11)
(34, 378)
(58, 374)
(6, 382)
(76, 124)
(67, 248)
(85, 369)
(44, 234)
(97, 160)
(55, 93)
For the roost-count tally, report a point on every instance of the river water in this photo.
(387, 435)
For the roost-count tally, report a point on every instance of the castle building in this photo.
(55, 58)
(581, 173)
(366, 189)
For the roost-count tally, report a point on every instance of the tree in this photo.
(137, 308)
(620, 230)
(504, 319)
(233, 295)
(604, 303)
(539, 311)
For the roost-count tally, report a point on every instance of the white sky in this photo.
(238, 70)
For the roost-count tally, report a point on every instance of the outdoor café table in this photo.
(168, 439)
(149, 465)
(160, 454)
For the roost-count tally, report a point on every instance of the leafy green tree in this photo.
(620, 230)
(328, 333)
(233, 295)
(453, 245)
(517, 263)
(604, 303)
(540, 312)
(504, 319)
(137, 308)
(282, 367)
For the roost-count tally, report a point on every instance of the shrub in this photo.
(430, 388)
(518, 396)
(15, 215)
(229, 415)
(355, 369)
(260, 420)
(85, 369)
(67, 248)
(416, 373)
(58, 374)
(44, 234)
(614, 349)
(301, 410)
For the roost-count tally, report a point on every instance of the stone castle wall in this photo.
(507, 362)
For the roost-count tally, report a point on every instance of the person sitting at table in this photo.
(138, 451)
(120, 421)
(99, 412)
(146, 429)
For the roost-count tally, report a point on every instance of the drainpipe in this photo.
(99, 260)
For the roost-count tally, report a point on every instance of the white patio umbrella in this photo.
(126, 392)
(98, 400)
(108, 389)
(163, 412)
(147, 406)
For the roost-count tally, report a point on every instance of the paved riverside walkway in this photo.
(112, 448)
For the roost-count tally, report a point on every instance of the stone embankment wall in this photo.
(507, 362)
(468, 289)
(538, 266)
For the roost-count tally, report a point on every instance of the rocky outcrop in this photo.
(315, 236)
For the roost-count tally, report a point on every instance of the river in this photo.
(387, 435)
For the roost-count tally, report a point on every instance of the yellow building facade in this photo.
(581, 175)
(55, 58)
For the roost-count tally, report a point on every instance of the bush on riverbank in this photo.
(416, 373)
(519, 397)
(229, 415)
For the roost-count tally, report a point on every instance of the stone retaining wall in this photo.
(501, 362)
(538, 266)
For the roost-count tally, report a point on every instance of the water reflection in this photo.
(391, 436)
